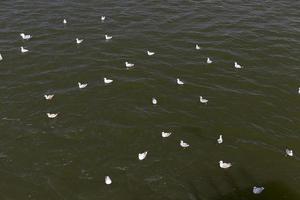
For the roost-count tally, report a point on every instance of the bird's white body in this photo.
(65, 21)
(108, 180)
(1, 58)
(298, 88)
(107, 37)
(150, 53)
(208, 61)
(237, 66)
(154, 101)
(48, 96)
(107, 81)
(197, 47)
(165, 134)
(257, 190)
(289, 152)
(82, 85)
(220, 139)
(25, 37)
(224, 165)
(143, 155)
(184, 144)
(23, 50)
(52, 115)
(78, 41)
(102, 18)
(179, 82)
(128, 65)
(202, 100)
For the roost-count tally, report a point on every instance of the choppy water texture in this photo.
(100, 130)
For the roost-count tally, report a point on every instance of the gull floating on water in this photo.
(1, 58)
(107, 81)
(108, 37)
(236, 65)
(154, 101)
(198, 47)
(220, 139)
(128, 65)
(102, 18)
(142, 156)
(65, 21)
(25, 37)
(289, 152)
(52, 115)
(257, 190)
(202, 100)
(165, 134)
(23, 50)
(179, 82)
(48, 96)
(184, 144)
(150, 53)
(224, 165)
(82, 85)
(208, 61)
(108, 180)
(78, 41)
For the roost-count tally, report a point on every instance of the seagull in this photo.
(289, 152)
(108, 37)
(52, 115)
(107, 81)
(23, 50)
(1, 58)
(208, 61)
(298, 88)
(65, 21)
(165, 134)
(128, 65)
(78, 41)
(49, 96)
(142, 156)
(202, 100)
(102, 18)
(179, 82)
(108, 180)
(25, 37)
(257, 190)
(183, 144)
(150, 53)
(236, 65)
(198, 47)
(220, 139)
(82, 85)
(154, 101)
(224, 165)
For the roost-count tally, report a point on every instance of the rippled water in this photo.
(100, 130)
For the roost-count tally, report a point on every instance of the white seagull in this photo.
(65, 21)
(52, 115)
(220, 139)
(299, 90)
(108, 180)
(257, 190)
(208, 61)
(154, 101)
(224, 165)
(107, 37)
(202, 100)
(236, 65)
(143, 155)
(48, 96)
(289, 152)
(78, 41)
(25, 37)
(102, 18)
(179, 82)
(107, 81)
(82, 85)
(198, 47)
(150, 53)
(23, 50)
(128, 65)
(184, 144)
(1, 58)
(165, 134)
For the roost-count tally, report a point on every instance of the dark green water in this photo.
(101, 129)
